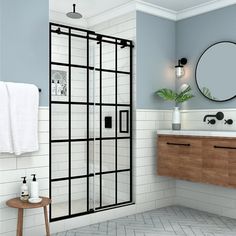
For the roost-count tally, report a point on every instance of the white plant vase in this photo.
(176, 119)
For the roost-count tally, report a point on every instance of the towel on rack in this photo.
(24, 104)
(5, 128)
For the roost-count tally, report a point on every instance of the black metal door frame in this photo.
(100, 39)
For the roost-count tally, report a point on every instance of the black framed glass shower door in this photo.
(90, 122)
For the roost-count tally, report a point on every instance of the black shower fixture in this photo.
(124, 44)
(58, 30)
(99, 38)
(74, 14)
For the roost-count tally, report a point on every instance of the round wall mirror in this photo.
(216, 72)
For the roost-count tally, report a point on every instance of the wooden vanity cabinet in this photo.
(215, 162)
(200, 159)
(180, 157)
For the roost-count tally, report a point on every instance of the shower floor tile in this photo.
(174, 220)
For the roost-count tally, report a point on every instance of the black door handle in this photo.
(222, 147)
(179, 144)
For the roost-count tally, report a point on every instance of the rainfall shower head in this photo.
(74, 14)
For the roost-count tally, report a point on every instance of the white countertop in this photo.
(211, 133)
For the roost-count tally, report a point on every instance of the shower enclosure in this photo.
(90, 122)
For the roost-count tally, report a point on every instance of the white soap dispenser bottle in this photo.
(34, 188)
(24, 194)
(54, 88)
(59, 88)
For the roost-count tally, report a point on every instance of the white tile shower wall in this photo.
(206, 197)
(152, 191)
(12, 168)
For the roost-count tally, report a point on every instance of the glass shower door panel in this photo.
(108, 189)
(108, 88)
(108, 155)
(123, 186)
(60, 47)
(108, 56)
(78, 84)
(60, 123)
(78, 158)
(60, 162)
(78, 195)
(78, 51)
(123, 89)
(123, 154)
(60, 197)
(123, 59)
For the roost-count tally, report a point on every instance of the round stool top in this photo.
(17, 203)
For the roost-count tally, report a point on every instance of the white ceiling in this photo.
(89, 8)
(179, 5)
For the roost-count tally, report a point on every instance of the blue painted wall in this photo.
(24, 43)
(193, 36)
(155, 49)
(1, 27)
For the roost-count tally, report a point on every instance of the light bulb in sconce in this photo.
(179, 69)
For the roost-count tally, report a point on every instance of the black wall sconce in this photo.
(179, 69)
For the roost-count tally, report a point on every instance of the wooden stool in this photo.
(17, 203)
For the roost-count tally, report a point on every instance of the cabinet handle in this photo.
(224, 147)
(179, 144)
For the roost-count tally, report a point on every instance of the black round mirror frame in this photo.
(196, 72)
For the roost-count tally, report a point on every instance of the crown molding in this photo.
(140, 5)
(203, 8)
(155, 10)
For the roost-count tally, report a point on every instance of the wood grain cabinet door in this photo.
(180, 157)
(219, 161)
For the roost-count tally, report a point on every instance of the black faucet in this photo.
(219, 116)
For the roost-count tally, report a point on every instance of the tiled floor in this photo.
(162, 222)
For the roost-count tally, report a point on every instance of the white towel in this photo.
(5, 128)
(24, 104)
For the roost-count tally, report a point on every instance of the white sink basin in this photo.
(211, 133)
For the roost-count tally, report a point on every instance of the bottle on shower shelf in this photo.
(59, 88)
(24, 194)
(54, 88)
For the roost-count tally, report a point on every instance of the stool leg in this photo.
(20, 222)
(46, 221)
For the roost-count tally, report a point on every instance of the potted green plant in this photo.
(177, 97)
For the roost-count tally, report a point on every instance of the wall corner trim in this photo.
(155, 10)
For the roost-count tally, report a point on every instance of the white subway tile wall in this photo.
(151, 191)
(12, 168)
